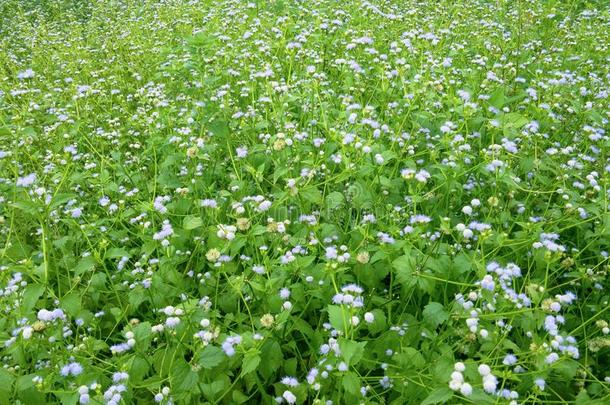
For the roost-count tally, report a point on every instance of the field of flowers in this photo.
(304, 202)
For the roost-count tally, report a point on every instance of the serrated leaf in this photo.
(335, 317)
(311, 194)
(435, 314)
(410, 358)
(26, 206)
(138, 370)
(71, 303)
(351, 351)
(192, 222)
(182, 377)
(115, 253)
(404, 266)
(351, 383)
(462, 263)
(250, 362)
(210, 357)
(335, 200)
(85, 264)
(6, 384)
(379, 324)
(239, 397)
(30, 296)
(271, 357)
(439, 395)
(220, 128)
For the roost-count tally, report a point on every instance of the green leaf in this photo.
(335, 317)
(6, 385)
(272, 358)
(220, 128)
(361, 196)
(136, 297)
(462, 263)
(26, 206)
(311, 195)
(335, 200)
(567, 368)
(98, 281)
(498, 99)
(115, 253)
(410, 358)
(439, 395)
(85, 264)
(379, 324)
(239, 397)
(138, 370)
(351, 351)
(479, 396)
(210, 357)
(250, 362)
(582, 398)
(143, 335)
(221, 383)
(27, 392)
(61, 198)
(404, 267)
(279, 173)
(192, 222)
(30, 297)
(351, 383)
(71, 303)
(515, 120)
(182, 377)
(435, 314)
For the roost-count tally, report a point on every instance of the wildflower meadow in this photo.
(304, 202)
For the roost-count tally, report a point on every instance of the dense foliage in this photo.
(316, 201)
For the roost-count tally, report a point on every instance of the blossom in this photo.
(26, 74)
(73, 369)
(26, 181)
(50, 316)
(289, 397)
(241, 152)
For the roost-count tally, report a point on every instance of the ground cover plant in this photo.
(304, 202)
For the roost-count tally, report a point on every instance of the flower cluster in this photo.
(372, 201)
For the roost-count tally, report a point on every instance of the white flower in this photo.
(209, 203)
(457, 376)
(490, 384)
(466, 389)
(172, 322)
(455, 385)
(241, 152)
(73, 369)
(264, 206)
(289, 397)
(26, 74)
(26, 181)
(27, 332)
